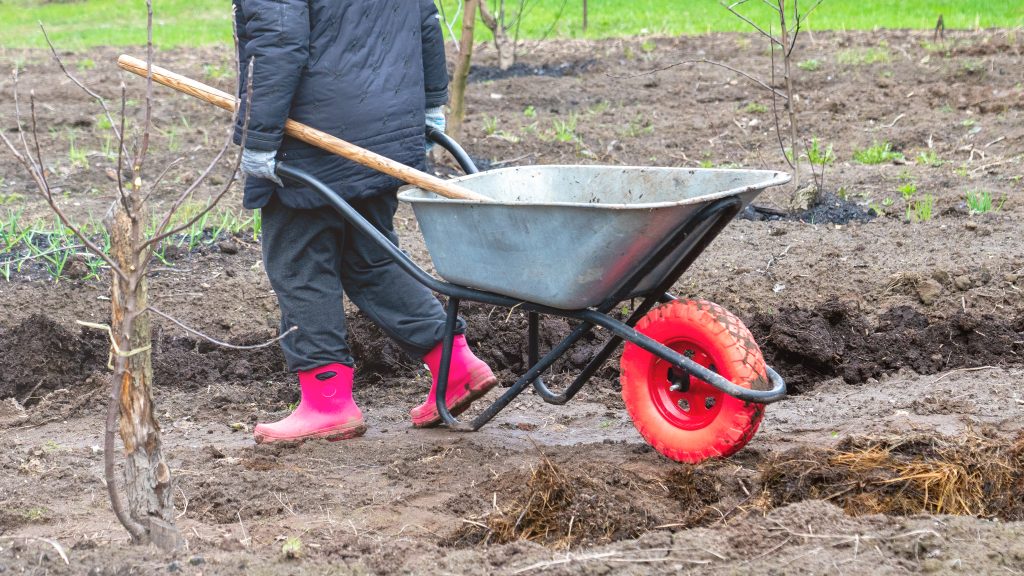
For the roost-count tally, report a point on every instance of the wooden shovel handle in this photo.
(306, 134)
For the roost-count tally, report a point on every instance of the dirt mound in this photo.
(968, 476)
(39, 356)
(833, 339)
(188, 364)
(828, 209)
(573, 504)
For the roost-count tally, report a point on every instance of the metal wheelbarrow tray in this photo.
(576, 242)
(569, 236)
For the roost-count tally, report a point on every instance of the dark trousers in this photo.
(313, 257)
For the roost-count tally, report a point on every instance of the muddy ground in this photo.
(902, 340)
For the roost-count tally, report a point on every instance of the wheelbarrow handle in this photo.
(304, 133)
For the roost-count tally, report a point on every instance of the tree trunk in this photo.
(461, 75)
(502, 43)
(147, 479)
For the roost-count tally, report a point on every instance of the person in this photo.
(372, 73)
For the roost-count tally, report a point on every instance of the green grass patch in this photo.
(980, 202)
(47, 248)
(864, 56)
(78, 25)
(877, 153)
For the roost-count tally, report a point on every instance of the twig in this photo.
(960, 370)
(214, 340)
(99, 99)
(567, 560)
(56, 545)
(702, 61)
(897, 119)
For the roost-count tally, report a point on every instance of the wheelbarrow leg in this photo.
(444, 369)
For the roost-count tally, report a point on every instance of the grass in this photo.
(877, 153)
(981, 202)
(47, 248)
(78, 25)
(864, 56)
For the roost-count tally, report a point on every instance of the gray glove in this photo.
(435, 118)
(260, 164)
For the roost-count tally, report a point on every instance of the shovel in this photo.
(307, 134)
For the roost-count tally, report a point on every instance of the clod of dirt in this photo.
(973, 475)
(563, 507)
(833, 339)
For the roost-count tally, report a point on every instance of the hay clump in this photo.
(971, 475)
(579, 505)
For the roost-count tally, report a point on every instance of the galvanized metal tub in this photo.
(568, 236)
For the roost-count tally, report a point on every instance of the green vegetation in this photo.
(755, 108)
(981, 202)
(929, 158)
(922, 209)
(864, 56)
(878, 153)
(820, 155)
(77, 25)
(811, 65)
(49, 247)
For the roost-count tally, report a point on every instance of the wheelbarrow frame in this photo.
(697, 232)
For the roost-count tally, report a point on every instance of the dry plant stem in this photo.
(461, 76)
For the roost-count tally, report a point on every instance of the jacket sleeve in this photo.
(275, 35)
(435, 69)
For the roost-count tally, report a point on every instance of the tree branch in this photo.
(753, 25)
(99, 99)
(213, 340)
(704, 61)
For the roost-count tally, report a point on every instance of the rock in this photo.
(928, 291)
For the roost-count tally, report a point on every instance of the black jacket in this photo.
(362, 70)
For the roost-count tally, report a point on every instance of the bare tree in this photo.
(790, 21)
(148, 514)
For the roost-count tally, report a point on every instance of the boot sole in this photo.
(476, 390)
(331, 435)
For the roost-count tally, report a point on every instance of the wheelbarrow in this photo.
(576, 242)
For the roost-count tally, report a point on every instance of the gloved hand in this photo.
(260, 164)
(435, 118)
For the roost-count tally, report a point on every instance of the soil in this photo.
(902, 340)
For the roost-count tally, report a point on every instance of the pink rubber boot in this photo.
(468, 379)
(326, 409)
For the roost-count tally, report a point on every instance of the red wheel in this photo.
(681, 416)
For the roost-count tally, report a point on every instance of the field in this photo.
(194, 23)
(893, 308)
